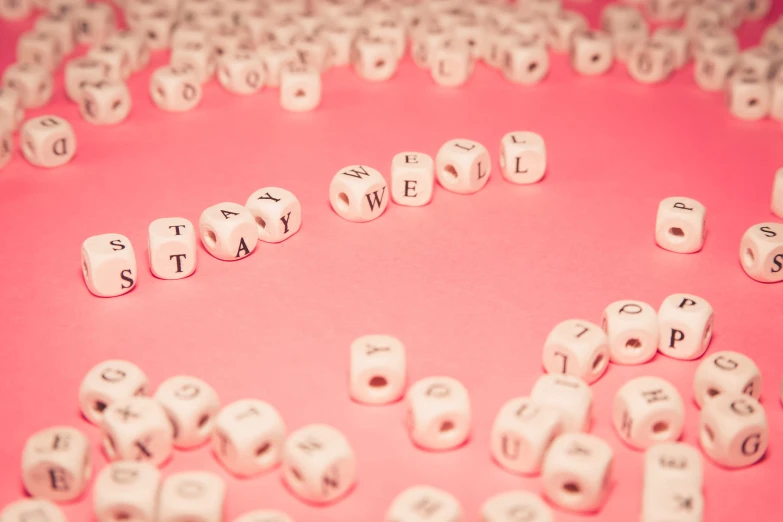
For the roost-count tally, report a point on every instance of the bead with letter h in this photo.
(172, 248)
(277, 212)
(126, 491)
(56, 464)
(648, 410)
(761, 252)
(412, 179)
(686, 323)
(108, 265)
(358, 193)
(680, 225)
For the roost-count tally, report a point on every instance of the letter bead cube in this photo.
(577, 472)
(569, 395)
(648, 410)
(105, 102)
(358, 193)
(463, 166)
(30, 509)
(133, 44)
(191, 405)
(175, 89)
(761, 252)
(137, 429)
(228, 231)
(13, 10)
(633, 331)
(277, 212)
(522, 157)
(276, 58)
(115, 59)
(733, 430)
(108, 265)
(172, 248)
(300, 88)
(525, 63)
(38, 48)
(672, 503)
(56, 464)
(677, 41)
(686, 323)
(672, 463)
(264, 515)
(516, 506)
(726, 372)
(650, 62)
(591, 52)
(424, 504)
(439, 413)
(11, 110)
(412, 178)
(562, 28)
(241, 72)
(577, 347)
(522, 433)
(195, 496)
(713, 68)
(48, 141)
(197, 56)
(451, 63)
(107, 382)
(248, 437)
(680, 225)
(319, 465)
(32, 82)
(377, 371)
(126, 491)
(80, 72)
(94, 22)
(749, 96)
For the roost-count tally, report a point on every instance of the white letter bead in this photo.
(591, 52)
(463, 166)
(300, 88)
(374, 58)
(13, 11)
(439, 415)
(713, 68)
(319, 465)
(562, 28)
(672, 503)
(172, 248)
(115, 59)
(633, 331)
(248, 437)
(761, 252)
(726, 372)
(108, 265)
(31, 509)
(515, 506)
(358, 193)
(650, 62)
(11, 110)
(264, 515)
(412, 178)
(451, 63)
(522, 157)
(191, 405)
(137, 429)
(228, 231)
(525, 62)
(94, 22)
(277, 212)
(134, 46)
(377, 369)
(81, 71)
(126, 491)
(577, 347)
(680, 226)
(175, 89)
(648, 410)
(749, 96)
(522, 433)
(241, 72)
(56, 464)
(672, 463)
(197, 56)
(424, 504)
(677, 40)
(195, 496)
(686, 323)
(32, 82)
(777, 192)
(47, 141)
(569, 395)
(38, 48)
(577, 471)
(733, 430)
(105, 102)
(107, 382)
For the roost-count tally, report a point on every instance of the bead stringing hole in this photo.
(710, 434)
(342, 201)
(210, 238)
(378, 382)
(749, 258)
(263, 448)
(296, 474)
(261, 223)
(99, 406)
(446, 426)
(597, 363)
(572, 488)
(676, 233)
(451, 171)
(203, 421)
(661, 428)
(122, 515)
(712, 392)
(633, 344)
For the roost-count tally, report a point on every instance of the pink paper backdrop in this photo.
(471, 284)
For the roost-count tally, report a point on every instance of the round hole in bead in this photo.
(98, 406)
(263, 449)
(598, 363)
(709, 435)
(210, 238)
(261, 224)
(532, 67)
(712, 392)
(122, 515)
(676, 233)
(343, 203)
(203, 422)
(661, 429)
(296, 474)
(749, 257)
(378, 381)
(572, 488)
(451, 172)
(633, 344)
(379, 63)
(110, 447)
(446, 426)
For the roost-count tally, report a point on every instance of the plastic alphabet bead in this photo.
(191, 405)
(633, 331)
(358, 193)
(137, 429)
(108, 265)
(733, 430)
(761, 252)
(686, 323)
(228, 231)
(56, 464)
(569, 395)
(680, 225)
(412, 178)
(195, 496)
(107, 382)
(463, 166)
(673, 463)
(522, 157)
(172, 248)
(647, 411)
(726, 372)
(277, 212)
(126, 491)
(577, 347)
(439, 413)
(522, 433)
(378, 372)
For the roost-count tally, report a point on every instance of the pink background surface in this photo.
(471, 284)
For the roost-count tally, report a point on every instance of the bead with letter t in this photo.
(358, 193)
(412, 178)
(228, 231)
(172, 248)
(108, 265)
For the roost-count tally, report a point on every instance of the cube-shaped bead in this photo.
(107, 382)
(686, 323)
(175, 89)
(569, 395)
(412, 178)
(577, 347)
(277, 213)
(512, 506)
(677, 41)
(672, 463)
(562, 28)
(463, 166)
(591, 52)
(228, 231)
(424, 503)
(522, 433)
(522, 157)
(94, 22)
(672, 503)
(374, 58)
(39, 48)
(56, 464)
(680, 225)
(196, 496)
(749, 96)
(126, 491)
(105, 102)
(156, 29)
(81, 71)
(650, 62)
(761, 252)
(191, 406)
(300, 88)
(137, 429)
(377, 372)
(32, 82)
(633, 331)
(134, 45)
(172, 248)
(358, 193)
(439, 413)
(713, 68)
(733, 430)
(196, 56)
(13, 10)
(647, 411)
(726, 372)
(241, 72)
(108, 265)
(115, 59)
(525, 63)
(451, 63)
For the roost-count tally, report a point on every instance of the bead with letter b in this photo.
(56, 464)
(733, 430)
